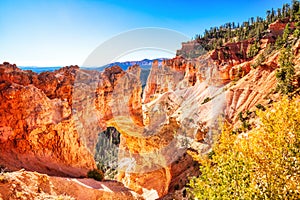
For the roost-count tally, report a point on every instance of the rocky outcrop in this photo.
(174, 114)
(56, 84)
(277, 27)
(192, 94)
(251, 90)
(219, 66)
(231, 53)
(38, 131)
(164, 78)
(58, 130)
(32, 185)
(191, 49)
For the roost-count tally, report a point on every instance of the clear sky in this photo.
(65, 32)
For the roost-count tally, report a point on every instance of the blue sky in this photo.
(65, 32)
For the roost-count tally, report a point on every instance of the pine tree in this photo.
(279, 42)
(286, 32)
(279, 13)
(268, 16)
(296, 10)
(285, 74)
(272, 15)
(253, 50)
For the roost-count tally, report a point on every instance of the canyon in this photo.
(50, 122)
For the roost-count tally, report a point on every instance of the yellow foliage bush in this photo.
(261, 164)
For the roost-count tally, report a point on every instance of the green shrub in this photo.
(296, 33)
(176, 187)
(260, 59)
(279, 42)
(95, 174)
(207, 99)
(260, 107)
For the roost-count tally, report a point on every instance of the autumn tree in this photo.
(261, 164)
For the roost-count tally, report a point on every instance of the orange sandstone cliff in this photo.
(50, 122)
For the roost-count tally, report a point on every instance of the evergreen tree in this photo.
(286, 32)
(253, 50)
(279, 13)
(272, 15)
(268, 16)
(285, 74)
(296, 10)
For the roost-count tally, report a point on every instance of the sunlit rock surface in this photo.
(37, 132)
(50, 122)
(32, 185)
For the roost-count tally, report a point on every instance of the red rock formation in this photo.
(231, 53)
(37, 132)
(33, 185)
(45, 132)
(105, 89)
(165, 78)
(192, 92)
(247, 93)
(119, 93)
(276, 28)
(181, 102)
(135, 101)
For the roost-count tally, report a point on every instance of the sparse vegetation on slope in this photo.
(252, 28)
(260, 159)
